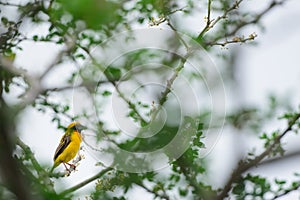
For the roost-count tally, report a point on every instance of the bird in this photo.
(68, 146)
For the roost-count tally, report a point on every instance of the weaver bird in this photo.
(68, 146)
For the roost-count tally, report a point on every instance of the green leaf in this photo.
(4, 20)
(141, 20)
(94, 13)
(238, 188)
(80, 56)
(280, 182)
(35, 37)
(113, 74)
(106, 93)
(182, 192)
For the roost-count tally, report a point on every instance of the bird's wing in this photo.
(64, 142)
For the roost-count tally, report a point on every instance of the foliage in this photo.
(79, 27)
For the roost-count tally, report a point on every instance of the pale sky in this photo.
(270, 67)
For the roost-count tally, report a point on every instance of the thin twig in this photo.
(233, 40)
(50, 5)
(156, 194)
(88, 85)
(245, 23)
(170, 81)
(177, 10)
(30, 155)
(87, 181)
(245, 165)
(58, 59)
(10, 4)
(211, 23)
(208, 22)
(35, 88)
(162, 19)
(178, 35)
(295, 187)
(39, 169)
(284, 158)
(257, 18)
(129, 103)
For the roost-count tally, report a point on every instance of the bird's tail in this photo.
(53, 167)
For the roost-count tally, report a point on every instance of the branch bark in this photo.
(9, 168)
(241, 24)
(245, 165)
(156, 194)
(85, 182)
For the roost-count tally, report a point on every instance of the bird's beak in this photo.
(80, 127)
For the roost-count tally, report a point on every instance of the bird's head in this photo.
(76, 126)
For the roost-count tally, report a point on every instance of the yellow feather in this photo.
(69, 144)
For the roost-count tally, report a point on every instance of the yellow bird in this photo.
(68, 146)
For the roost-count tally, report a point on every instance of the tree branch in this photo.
(233, 40)
(162, 19)
(170, 82)
(178, 36)
(208, 21)
(211, 23)
(245, 164)
(242, 24)
(30, 155)
(10, 4)
(70, 45)
(32, 81)
(284, 158)
(285, 192)
(156, 194)
(85, 182)
(128, 102)
(257, 17)
(9, 168)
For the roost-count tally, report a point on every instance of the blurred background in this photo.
(259, 83)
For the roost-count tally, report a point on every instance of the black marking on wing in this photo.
(65, 141)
